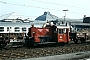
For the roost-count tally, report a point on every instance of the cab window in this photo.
(61, 31)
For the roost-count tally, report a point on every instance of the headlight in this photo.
(33, 32)
(87, 34)
(60, 36)
(77, 34)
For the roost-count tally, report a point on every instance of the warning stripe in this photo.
(47, 30)
(40, 30)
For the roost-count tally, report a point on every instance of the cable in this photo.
(36, 7)
(60, 4)
(28, 6)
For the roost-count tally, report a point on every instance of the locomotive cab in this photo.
(63, 34)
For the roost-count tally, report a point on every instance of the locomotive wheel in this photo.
(82, 40)
(61, 44)
(30, 43)
(75, 41)
(3, 45)
(35, 44)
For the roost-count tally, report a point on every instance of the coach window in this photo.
(8, 28)
(17, 29)
(24, 29)
(1, 29)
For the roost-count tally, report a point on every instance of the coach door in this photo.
(62, 35)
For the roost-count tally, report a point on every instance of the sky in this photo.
(34, 8)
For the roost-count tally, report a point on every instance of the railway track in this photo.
(23, 52)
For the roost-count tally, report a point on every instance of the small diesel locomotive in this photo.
(47, 34)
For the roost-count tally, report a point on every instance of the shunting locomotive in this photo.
(47, 34)
(51, 33)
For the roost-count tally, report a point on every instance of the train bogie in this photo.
(11, 39)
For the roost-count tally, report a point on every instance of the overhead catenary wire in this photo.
(28, 6)
(61, 4)
(36, 7)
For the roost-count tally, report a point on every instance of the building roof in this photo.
(70, 20)
(82, 24)
(9, 24)
(46, 16)
(12, 15)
